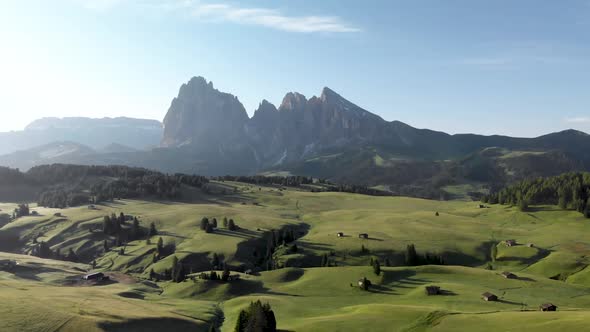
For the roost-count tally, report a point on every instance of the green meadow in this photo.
(550, 260)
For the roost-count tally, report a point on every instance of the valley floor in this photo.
(48, 295)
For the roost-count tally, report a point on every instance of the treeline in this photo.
(287, 181)
(9, 176)
(568, 191)
(357, 189)
(68, 184)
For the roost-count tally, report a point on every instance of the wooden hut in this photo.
(508, 275)
(363, 236)
(487, 296)
(510, 243)
(94, 276)
(548, 307)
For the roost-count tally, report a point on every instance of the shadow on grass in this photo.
(153, 324)
(403, 279)
(509, 302)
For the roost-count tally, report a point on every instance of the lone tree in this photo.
(257, 317)
(231, 225)
(494, 252)
(377, 267)
(204, 223)
(225, 274)
(160, 247)
(214, 223)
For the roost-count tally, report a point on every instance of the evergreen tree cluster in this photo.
(357, 189)
(60, 198)
(277, 239)
(568, 191)
(67, 185)
(22, 210)
(287, 181)
(118, 227)
(257, 317)
(412, 258)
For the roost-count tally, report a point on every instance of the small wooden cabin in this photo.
(94, 276)
(432, 290)
(509, 275)
(510, 243)
(487, 296)
(363, 236)
(548, 307)
(364, 283)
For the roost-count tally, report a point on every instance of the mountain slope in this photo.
(95, 133)
(208, 132)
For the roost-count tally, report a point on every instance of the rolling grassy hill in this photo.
(304, 296)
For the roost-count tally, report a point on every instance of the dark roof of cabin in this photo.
(548, 305)
(487, 294)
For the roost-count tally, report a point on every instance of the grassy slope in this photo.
(321, 298)
(35, 298)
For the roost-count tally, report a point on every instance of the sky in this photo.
(519, 68)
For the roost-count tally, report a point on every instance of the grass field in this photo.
(304, 296)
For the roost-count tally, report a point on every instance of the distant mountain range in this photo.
(94, 133)
(208, 132)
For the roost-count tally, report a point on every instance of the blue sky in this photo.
(509, 67)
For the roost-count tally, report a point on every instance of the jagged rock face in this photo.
(201, 115)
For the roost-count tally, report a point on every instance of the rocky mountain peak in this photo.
(293, 101)
(202, 114)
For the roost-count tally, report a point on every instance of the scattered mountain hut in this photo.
(548, 307)
(94, 276)
(487, 296)
(510, 243)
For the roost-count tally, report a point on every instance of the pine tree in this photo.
(225, 275)
(411, 255)
(174, 269)
(225, 222)
(214, 223)
(160, 247)
(494, 252)
(242, 321)
(153, 230)
(377, 267)
(215, 261)
(204, 223)
(232, 225)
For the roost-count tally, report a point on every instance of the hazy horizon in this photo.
(458, 68)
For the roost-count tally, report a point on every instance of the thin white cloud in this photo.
(581, 119)
(226, 12)
(270, 18)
